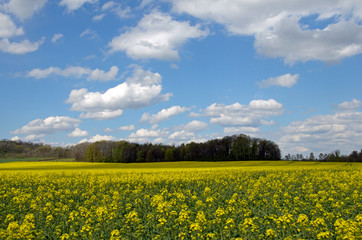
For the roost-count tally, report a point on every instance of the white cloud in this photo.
(286, 80)
(97, 138)
(39, 73)
(108, 5)
(116, 8)
(294, 43)
(142, 89)
(250, 115)
(147, 133)
(249, 17)
(98, 17)
(89, 33)
(72, 5)
(156, 36)
(174, 66)
(19, 47)
(240, 130)
(48, 125)
(103, 76)
(78, 133)
(163, 115)
(324, 133)
(350, 105)
(127, 128)
(108, 130)
(76, 72)
(24, 9)
(193, 114)
(34, 137)
(57, 37)
(278, 31)
(182, 135)
(301, 149)
(195, 126)
(8, 27)
(102, 115)
(15, 138)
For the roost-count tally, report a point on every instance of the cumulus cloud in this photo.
(182, 135)
(294, 43)
(116, 8)
(8, 27)
(350, 105)
(57, 37)
(194, 115)
(127, 128)
(156, 36)
(98, 17)
(195, 126)
(73, 5)
(76, 72)
(97, 138)
(34, 137)
(78, 133)
(103, 76)
(240, 130)
(286, 80)
(250, 115)
(342, 130)
(24, 9)
(163, 115)
(148, 133)
(142, 89)
(48, 125)
(22, 47)
(103, 115)
(277, 27)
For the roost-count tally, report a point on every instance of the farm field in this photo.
(6, 160)
(180, 200)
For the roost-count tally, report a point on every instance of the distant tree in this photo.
(254, 150)
(93, 154)
(170, 155)
(311, 157)
(149, 156)
(79, 151)
(182, 152)
(140, 157)
(241, 148)
(117, 154)
(190, 151)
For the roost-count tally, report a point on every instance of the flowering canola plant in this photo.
(181, 203)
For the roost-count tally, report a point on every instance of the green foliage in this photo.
(117, 154)
(170, 155)
(140, 157)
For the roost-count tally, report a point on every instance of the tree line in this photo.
(230, 148)
(22, 149)
(334, 156)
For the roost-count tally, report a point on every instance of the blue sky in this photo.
(176, 71)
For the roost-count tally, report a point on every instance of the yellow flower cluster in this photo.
(192, 203)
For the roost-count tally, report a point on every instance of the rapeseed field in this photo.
(236, 200)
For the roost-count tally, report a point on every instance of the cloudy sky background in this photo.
(176, 71)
